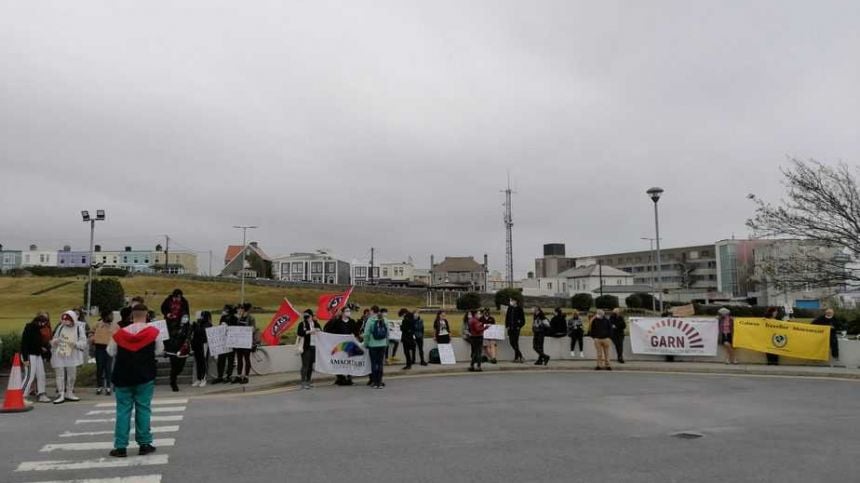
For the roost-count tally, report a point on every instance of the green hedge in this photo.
(582, 302)
(606, 302)
(11, 345)
(504, 296)
(469, 301)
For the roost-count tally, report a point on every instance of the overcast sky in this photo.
(346, 125)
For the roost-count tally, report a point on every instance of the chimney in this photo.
(485, 262)
(254, 244)
(1, 247)
(67, 248)
(128, 249)
(159, 248)
(432, 263)
(97, 248)
(531, 275)
(33, 248)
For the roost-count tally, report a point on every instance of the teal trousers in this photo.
(138, 398)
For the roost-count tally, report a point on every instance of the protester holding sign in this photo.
(227, 359)
(558, 324)
(540, 328)
(829, 320)
(243, 355)
(376, 341)
(175, 307)
(576, 332)
(68, 347)
(601, 332)
(341, 325)
(307, 328)
(727, 327)
(178, 348)
(772, 359)
(393, 344)
(104, 362)
(476, 338)
(198, 347)
(441, 329)
(489, 344)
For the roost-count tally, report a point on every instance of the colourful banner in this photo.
(790, 339)
(673, 336)
(340, 354)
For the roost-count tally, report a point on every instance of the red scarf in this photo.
(135, 342)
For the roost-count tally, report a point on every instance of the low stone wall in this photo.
(285, 358)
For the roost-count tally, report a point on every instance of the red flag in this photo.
(330, 304)
(284, 319)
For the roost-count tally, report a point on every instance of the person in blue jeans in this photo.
(376, 341)
(134, 349)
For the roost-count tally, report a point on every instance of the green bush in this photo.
(469, 301)
(606, 302)
(108, 294)
(582, 302)
(504, 296)
(11, 345)
(57, 271)
(648, 301)
(113, 272)
(633, 301)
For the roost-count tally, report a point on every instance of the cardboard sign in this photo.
(240, 337)
(161, 325)
(446, 354)
(217, 339)
(495, 332)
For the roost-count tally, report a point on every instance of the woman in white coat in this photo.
(68, 348)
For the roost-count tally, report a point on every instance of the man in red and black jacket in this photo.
(134, 349)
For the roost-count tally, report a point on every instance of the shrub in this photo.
(647, 300)
(504, 296)
(58, 271)
(11, 345)
(633, 301)
(469, 301)
(108, 294)
(582, 302)
(606, 302)
(113, 272)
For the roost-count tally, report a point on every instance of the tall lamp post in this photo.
(244, 229)
(653, 274)
(100, 216)
(655, 194)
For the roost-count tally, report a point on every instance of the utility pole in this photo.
(210, 263)
(600, 274)
(166, 251)
(370, 275)
(244, 229)
(509, 243)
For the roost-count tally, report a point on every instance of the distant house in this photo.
(256, 263)
(361, 273)
(577, 280)
(66, 258)
(9, 259)
(459, 273)
(39, 258)
(319, 267)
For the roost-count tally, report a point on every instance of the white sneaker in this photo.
(43, 398)
(60, 399)
(202, 383)
(572, 353)
(582, 355)
(71, 397)
(195, 384)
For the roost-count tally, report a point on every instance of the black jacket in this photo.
(165, 307)
(339, 326)
(135, 358)
(179, 336)
(557, 326)
(31, 342)
(303, 330)
(601, 328)
(515, 318)
(198, 332)
(618, 325)
(407, 327)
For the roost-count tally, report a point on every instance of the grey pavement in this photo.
(561, 425)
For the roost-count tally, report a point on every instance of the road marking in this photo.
(158, 443)
(154, 429)
(123, 479)
(171, 409)
(155, 402)
(59, 465)
(113, 420)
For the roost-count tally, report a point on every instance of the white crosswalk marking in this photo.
(98, 463)
(155, 402)
(154, 429)
(158, 419)
(171, 409)
(124, 479)
(158, 443)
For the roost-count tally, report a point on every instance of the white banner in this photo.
(495, 332)
(161, 325)
(240, 337)
(394, 330)
(446, 354)
(217, 339)
(674, 336)
(341, 354)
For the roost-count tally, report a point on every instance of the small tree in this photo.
(606, 302)
(469, 301)
(108, 294)
(504, 296)
(582, 302)
(633, 301)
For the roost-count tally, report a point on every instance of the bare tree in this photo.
(821, 209)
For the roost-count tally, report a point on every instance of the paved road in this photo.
(554, 426)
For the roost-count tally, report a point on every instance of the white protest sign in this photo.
(240, 337)
(495, 332)
(217, 339)
(161, 325)
(394, 332)
(674, 336)
(446, 354)
(341, 355)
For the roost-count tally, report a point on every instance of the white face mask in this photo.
(347, 314)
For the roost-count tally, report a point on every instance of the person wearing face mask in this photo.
(33, 350)
(199, 348)
(829, 319)
(393, 344)
(307, 327)
(540, 328)
(177, 347)
(343, 325)
(175, 307)
(226, 361)
(68, 347)
(419, 337)
(243, 356)
(101, 338)
(407, 336)
(515, 319)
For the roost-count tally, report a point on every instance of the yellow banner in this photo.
(790, 339)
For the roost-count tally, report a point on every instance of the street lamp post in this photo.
(655, 194)
(244, 229)
(100, 216)
(653, 274)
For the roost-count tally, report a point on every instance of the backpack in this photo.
(434, 356)
(379, 330)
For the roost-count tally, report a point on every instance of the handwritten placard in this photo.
(239, 337)
(446, 354)
(495, 332)
(217, 339)
(161, 325)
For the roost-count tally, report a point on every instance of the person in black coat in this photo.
(618, 327)
(175, 307)
(198, 347)
(177, 347)
(558, 324)
(600, 331)
(515, 319)
(33, 352)
(407, 331)
(343, 325)
(306, 329)
(226, 361)
(830, 320)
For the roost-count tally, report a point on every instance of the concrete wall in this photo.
(285, 358)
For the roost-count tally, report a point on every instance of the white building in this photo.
(38, 258)
(577, 280)
(319, 267)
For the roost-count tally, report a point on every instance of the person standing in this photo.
(726, 325)
(393, 344)
(618, 327)
(134, 349)
(419, 337)
(576, 333)
(407, 336)
(174, 307)
(772, 359)
(828, 319)
(489, 345)
(33, 349)
(199, 348)
(376, 341)
(558, 324)
(69, 345)
(307, 328)
(342, 324)
(441, 329)
(226, 361)
(515, 319)
(601, 331)
(177, 347)
(243, 356)
(540, 328)
(101, 338)
(476, 339)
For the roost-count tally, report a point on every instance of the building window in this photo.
(360, 271)
(330, 267)
(298, 267)
(316, 267)
(549, 285)
(385, 272)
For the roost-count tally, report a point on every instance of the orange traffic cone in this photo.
(14, 402)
